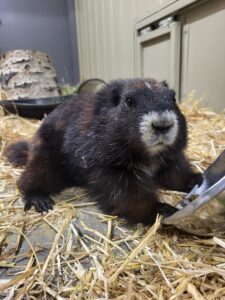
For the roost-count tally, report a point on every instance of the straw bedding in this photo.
(75, 252)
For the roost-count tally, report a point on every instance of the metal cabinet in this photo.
(189, 52)
(158, 54)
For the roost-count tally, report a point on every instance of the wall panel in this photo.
(203, 63)
(106, 35)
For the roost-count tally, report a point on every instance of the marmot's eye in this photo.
(130, 102)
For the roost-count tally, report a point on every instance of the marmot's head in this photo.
(143, 114)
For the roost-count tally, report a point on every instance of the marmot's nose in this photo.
(162, 126)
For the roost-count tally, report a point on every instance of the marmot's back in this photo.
(53, 128)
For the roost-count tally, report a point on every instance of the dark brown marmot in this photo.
(122, 144)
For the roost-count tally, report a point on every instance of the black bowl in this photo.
(33, 108)
(37, 108)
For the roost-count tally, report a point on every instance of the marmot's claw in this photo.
(167, 210)
(196, 178)
(41, 203)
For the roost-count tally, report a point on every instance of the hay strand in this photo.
(76, 252)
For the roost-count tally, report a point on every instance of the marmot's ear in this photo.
(173, 95)
(109, 96)
(115, 89)
(115, 96)
(165, 84)
(111, 93)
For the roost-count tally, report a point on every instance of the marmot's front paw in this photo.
(41, 203)
(196, 179)
(167, 210)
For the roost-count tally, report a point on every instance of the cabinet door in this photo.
(203, 54)
(158, 55)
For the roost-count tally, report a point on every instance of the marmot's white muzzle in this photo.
(159, 130)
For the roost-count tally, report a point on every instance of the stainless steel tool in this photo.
(206, 213)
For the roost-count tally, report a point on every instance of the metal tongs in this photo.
(212, 185)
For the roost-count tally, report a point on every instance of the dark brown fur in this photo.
(17, 153)
(93, 141)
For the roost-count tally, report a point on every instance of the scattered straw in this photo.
(75, 252)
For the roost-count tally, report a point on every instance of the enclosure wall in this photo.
(106, 35)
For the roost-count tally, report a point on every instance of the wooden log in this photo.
(27, 74)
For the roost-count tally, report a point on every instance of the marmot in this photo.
(121, 143)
